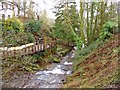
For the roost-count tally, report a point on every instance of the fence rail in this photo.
(25, 49)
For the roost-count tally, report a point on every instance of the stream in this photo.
(52, 77)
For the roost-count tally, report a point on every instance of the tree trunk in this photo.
(87, 7)
(91, 22)
(81, 22)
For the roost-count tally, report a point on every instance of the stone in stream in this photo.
(67, 63)
(63, 81)
(68, 72)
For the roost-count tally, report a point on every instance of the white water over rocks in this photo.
(52, 77)
(57, 70)
(67, 63)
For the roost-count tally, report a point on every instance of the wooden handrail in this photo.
(26, 49)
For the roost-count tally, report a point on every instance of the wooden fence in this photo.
(25, 49)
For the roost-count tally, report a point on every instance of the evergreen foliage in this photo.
(33, 26)
(67, 23)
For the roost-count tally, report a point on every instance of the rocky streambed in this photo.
(51, 77)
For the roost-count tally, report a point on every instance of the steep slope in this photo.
(97, 69)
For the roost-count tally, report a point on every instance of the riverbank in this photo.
(97, 69)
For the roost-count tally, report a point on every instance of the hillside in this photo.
(97, 69)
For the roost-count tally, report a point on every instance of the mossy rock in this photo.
(56, 60)
(62, 52)
(28, 69)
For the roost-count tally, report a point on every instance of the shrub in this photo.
(90, 48)
(13, 25)
(33, 26)
(13, 32)
(30, 37)
(107, 30)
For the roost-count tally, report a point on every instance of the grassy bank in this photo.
(97, 67)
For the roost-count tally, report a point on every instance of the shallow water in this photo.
(52, 77)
